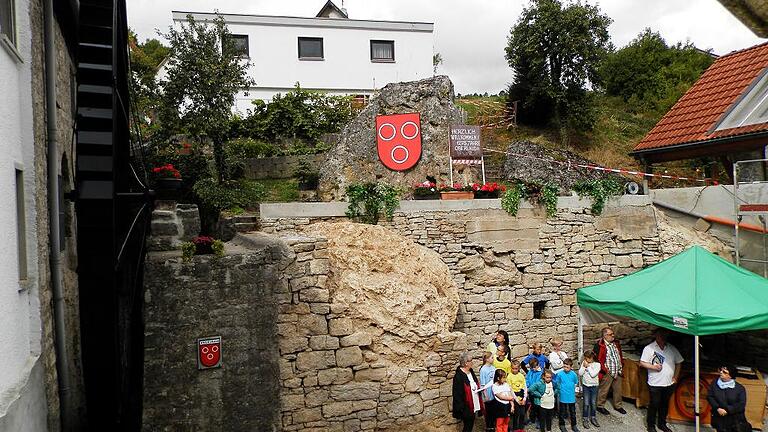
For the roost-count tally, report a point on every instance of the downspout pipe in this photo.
(712, 219)
(59, 327)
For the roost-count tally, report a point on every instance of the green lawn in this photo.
(280, 190)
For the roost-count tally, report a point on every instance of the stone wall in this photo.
(507, 266)
(235, 297)
(65, 80)
(280, 167)
(346, 340)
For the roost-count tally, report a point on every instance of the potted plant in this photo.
(202, 245)
(457, 192)
(167, 177)
(426, 191)
(490, 190)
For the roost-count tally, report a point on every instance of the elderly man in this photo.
(608, 351)
(663, 363)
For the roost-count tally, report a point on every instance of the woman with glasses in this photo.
(728, 400)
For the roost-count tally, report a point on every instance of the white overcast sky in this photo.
(471, 34)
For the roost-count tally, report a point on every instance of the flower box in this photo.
(457, 195)
(481, 194)
(168, 184)
(433, 196)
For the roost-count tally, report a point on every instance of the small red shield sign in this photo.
(398, 140)
(209, 352)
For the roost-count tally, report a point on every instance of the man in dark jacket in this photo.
(467, 403)
(608, 351)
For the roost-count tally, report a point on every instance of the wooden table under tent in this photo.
(684, 294)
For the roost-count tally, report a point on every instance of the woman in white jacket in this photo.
(590, 381)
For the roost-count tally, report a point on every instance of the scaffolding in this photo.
(748, 204)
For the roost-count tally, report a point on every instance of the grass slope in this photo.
(615, 134)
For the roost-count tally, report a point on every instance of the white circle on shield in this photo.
(394, 132)
(415, 129)
(396, 160)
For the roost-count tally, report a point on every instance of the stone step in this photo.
(246, 226)
(245, 219)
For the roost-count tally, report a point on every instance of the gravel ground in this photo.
(633, 421)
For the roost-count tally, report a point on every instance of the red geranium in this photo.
(203, 241)
(166, 171)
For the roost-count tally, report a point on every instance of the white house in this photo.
(328, 52)
(22, 392)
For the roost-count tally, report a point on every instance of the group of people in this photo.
(511, 393)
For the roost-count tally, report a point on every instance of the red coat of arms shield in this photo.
(209, 352)
(398, 140)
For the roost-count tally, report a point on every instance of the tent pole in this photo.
(697, 372)
(580, 336)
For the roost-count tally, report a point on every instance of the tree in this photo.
(437, 60)
(555, 51)
(650, 75)
(205, 72)
(145, 62)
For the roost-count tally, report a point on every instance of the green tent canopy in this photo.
(694, 292)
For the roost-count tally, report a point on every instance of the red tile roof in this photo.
(702, 106)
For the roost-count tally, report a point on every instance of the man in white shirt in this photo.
(663, 363)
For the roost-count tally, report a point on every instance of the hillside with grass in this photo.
(617, 130)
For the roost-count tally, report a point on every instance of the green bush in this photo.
(599, 190)
(368, 201)
(229, 194)
(307, 176)
(648, 74)
(239, 150)
(299, 114)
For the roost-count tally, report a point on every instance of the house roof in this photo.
(752, 13)
(314, 22)
(693, 119)
(329, 8)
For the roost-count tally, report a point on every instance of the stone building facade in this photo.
(362, 348)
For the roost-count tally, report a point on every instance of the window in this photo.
(310, 48)
(7, 20)
(21, 225)
(239, 44)
(382, 51)
(538, 309)
(751, 109)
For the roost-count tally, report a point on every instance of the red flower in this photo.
(203, 240)
(167, 170)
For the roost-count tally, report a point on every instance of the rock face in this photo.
(676, 237)
(533, 168)
(387, 281)
(355, 159)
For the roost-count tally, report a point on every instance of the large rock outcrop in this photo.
(388, 284)
(355, 159)
(526, 160)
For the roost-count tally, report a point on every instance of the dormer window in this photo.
(751, 109)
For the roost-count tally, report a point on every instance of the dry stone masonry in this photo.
(329, 325)
(516, 273)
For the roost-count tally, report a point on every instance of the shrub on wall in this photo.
(367, 201)
(297, 115)
(228, 194)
